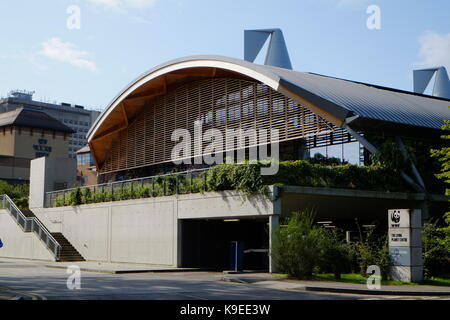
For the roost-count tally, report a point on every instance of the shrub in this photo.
(21, 203)
(436, 249)
(296, 246)
(373, 250)
(75, 197)
(86, 195)
(335, 254)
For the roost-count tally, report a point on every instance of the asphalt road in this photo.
(36, 282)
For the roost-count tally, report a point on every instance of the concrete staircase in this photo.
(60, 247)
(68, 252)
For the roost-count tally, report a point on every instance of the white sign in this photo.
(399, 237)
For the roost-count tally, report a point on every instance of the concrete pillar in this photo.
(177, 243)
(48, 174)
(425, 207)
(274, 222)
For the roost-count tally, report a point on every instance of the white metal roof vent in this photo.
(277, 54)
(441, 86)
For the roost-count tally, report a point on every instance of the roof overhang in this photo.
(157, 81)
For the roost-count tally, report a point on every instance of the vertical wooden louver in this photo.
(220, 103)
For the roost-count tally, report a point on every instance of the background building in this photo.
(86, 171)
(28, 134)
(74, 116)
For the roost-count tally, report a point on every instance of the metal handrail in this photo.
(31, 225)
(50, 194)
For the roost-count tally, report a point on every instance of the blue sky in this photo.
(120, 39)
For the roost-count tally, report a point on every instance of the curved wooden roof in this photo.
(333, 99)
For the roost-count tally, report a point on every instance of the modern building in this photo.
(76, 117)
(27, 134)
(86, 170)
(133, 138)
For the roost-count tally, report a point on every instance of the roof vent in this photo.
(441, 87)
(277, 54)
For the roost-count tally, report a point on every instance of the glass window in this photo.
(85, 158)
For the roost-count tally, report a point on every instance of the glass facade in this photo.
(85, 158)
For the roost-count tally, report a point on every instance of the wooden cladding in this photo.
(219, 103)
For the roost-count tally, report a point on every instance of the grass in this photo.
(359, 279)
(354, 278)
(437, 282)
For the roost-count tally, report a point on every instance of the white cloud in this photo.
(434, 50)
(123, 4)
(58, 50)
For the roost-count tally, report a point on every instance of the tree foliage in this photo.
(18, 193)
(436, 234)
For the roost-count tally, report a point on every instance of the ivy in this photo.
(246, 178)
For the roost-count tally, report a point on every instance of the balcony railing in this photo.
(192, 181)
(31, 224)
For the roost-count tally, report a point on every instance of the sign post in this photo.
(405, 245)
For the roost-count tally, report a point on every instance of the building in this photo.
(76, 117)
(132, 138)
(27, 134)
(86, 171)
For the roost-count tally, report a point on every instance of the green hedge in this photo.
(247, 178)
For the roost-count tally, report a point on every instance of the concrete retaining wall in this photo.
(19, 244)
(144, 230)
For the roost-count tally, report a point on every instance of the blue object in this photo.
(1, 243)
(236, 255)
(277, 54)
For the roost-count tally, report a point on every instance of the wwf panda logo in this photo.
(395, 217)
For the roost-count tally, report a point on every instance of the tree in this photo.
(439, 239)
(443, 155)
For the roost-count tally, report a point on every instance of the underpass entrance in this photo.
(211, 243)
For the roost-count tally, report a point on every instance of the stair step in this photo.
(68, 252)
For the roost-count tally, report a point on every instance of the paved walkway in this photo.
(268, 281)
(118, 268)
(103, 267)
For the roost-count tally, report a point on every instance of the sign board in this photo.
(42, 149)
(398, 218)
(400, 256)
(399, 237)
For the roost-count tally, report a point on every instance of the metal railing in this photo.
(31, 224)
(192, 181)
